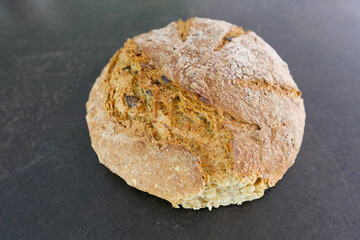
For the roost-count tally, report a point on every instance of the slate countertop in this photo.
(51, 184)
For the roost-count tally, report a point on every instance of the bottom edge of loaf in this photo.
(216, 192)
(230, 191)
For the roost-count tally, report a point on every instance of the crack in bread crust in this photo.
(273, 88)
(183, 28)
(234, 32)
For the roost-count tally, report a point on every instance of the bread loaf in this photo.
(200, 113)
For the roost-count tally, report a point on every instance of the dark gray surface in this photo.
(51, 184)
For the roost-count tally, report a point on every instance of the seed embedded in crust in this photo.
(149, 92)
(138, 51)
(131, 100)
(165, 79)
(204, 100)
(146, 65)
(156, 82)
(228, 38)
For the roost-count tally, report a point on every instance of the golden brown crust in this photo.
(238, 76)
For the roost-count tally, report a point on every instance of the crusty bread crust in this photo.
(241, 76)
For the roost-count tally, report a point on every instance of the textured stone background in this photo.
(51, 184)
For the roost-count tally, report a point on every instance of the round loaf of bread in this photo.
(200, 113)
